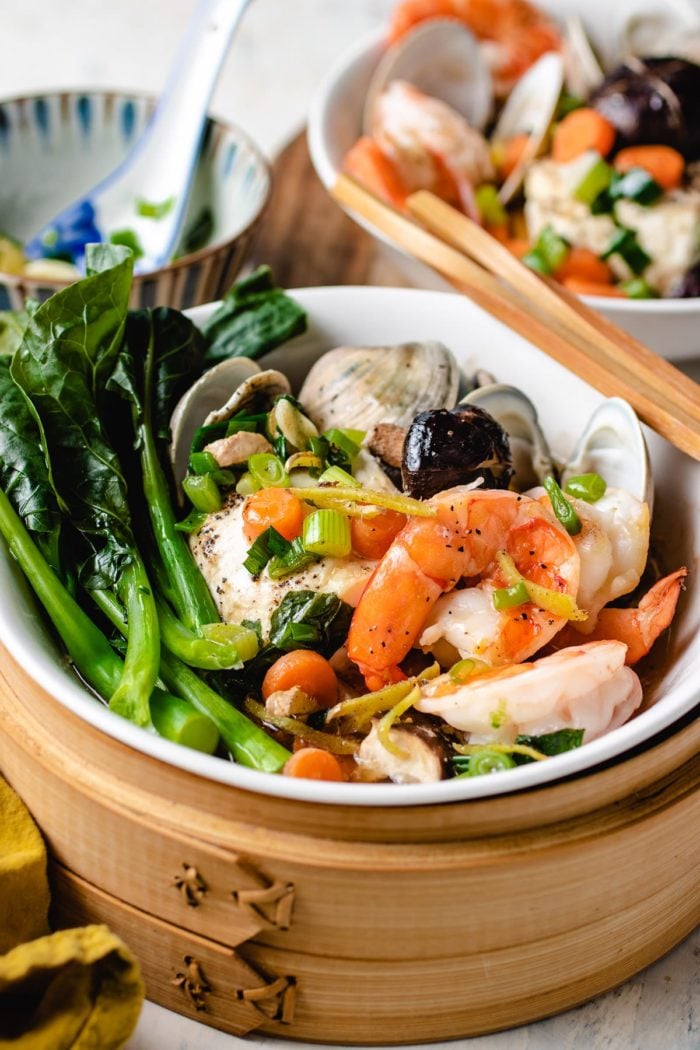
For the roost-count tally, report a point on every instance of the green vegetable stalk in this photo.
(161, 356)
(67, 353)
(248, 743)
(89, 649)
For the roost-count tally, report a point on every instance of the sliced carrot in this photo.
(583, 287)
(580, 130)
(306, 670)
(583, 264)
(665, 164)
(276, 508)
(499, 233)
(510, 152)
(366, 162)
(313, 763)
(372, 537)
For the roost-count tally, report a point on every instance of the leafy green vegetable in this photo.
(159, 361)
(67, 353)
(12, 325)
(88, 647)
(254, 317)
(23, 472)
(550, 743)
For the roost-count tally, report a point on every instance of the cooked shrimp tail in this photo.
(406, 601)
(637, 627)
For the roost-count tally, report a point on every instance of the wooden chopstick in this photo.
(621, 349)
(550, 333)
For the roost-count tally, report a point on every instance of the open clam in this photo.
(444, 60)
(583, 70)
(529, 110)
(513, 410)
(672, 31)
(613, 446)
(227, 388)
(370, 385)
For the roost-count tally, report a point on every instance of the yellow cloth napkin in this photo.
(75, 989)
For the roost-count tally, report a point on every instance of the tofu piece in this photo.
(669, 232)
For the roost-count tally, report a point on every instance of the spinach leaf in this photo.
(12, 325)
(23, 472)
(549, 743)
(162, 356)
(254, 317)
(67, 353)
(303, 620)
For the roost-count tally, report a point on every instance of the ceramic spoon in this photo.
(147, 193)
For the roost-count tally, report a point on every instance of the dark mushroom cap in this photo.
(689, 285)
(653, 101)
(445, 448)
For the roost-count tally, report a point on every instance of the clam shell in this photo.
(613, 446)
(362, 386)
(513, 410)
(583, 71)
(672, 32)
(442, 59)
(204, 396)
(530, 108)
(260, 386)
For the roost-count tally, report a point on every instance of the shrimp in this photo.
(516, 32)
(583, 687)
(430, 556)
(429, 145)
(637, 627)
(613, 545)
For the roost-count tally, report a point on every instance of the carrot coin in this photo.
(313, 763)
(306, 670)
(272, 507)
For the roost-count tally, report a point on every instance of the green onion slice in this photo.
(194, 520)
(385, 724)
(247, 484)
(243, 638)
(467, 668)
(203, 492)
(327, 532)
(348, 441)
(338, 476)
(203, 463)
(510, 597)
(267, 545)
(296, 557)
(557, 602)
(267, 470)
(484, 760)
(588, 487)
(563, 510)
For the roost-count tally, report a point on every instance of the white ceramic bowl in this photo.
(376, 316)
(671, 327)
(54, 147)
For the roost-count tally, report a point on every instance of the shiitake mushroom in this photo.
(688, 287)
(653, 101)
(446, 447)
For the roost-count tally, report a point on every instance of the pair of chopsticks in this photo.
(538, 308)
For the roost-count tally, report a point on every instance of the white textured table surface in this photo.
(283, 49)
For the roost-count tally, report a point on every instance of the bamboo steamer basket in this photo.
(354, 924)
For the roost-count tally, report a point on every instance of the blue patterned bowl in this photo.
(54, 147)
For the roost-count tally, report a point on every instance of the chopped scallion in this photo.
(638, 288)
(345, 440)
(467, 668)
(296, 557)
(636, 185)
(244, 639)
(588, 487)
(563, 510)
(552, 248)
(203, 492)
(337, 476)
(267, 470)
(557, 602)
(625, 244)
(203, 463)
(247, 485)
(483, 761)
(490, 205)
(268, 544)
(327, 533)
(594, 182)
(510, 597)
(194, 520)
